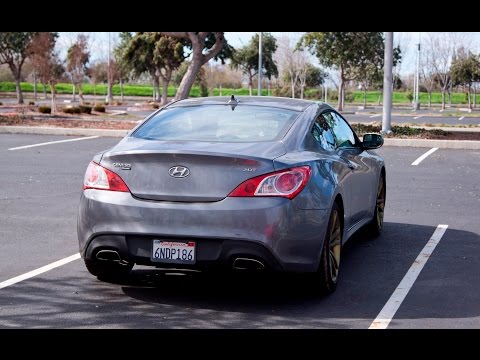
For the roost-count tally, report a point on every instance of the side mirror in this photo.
(372, 141)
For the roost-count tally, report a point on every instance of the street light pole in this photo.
(109, 94)
(387, 84)
(259, 92)
(417, 77)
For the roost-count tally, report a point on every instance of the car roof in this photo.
(271, 101)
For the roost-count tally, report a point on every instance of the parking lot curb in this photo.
(441, 144)
(62, 131)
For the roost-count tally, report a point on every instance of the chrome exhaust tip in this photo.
(248, 264)
(108, 255)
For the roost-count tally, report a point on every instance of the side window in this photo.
(344, 136)
(323, 134)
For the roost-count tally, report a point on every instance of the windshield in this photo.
(245, 123)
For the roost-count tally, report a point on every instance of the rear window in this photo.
(245, 123)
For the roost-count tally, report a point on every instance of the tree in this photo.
(368, 74)
(139, 54)
(442, 47)
(297, 68)
(98, 73)
(246, 58)
(465, 70)
(216, 76)
(347, 52)
(124, 67)
(77, 60)
(13, 52)
(287, 58)
(168, 55)
(315, 76)
(204, 46)
(41, 50)
(46, 62)
(303, 64)
(428, 73)
(201, 80)
(113, 76)
(156, 54)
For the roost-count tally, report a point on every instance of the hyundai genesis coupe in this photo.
(261, 184)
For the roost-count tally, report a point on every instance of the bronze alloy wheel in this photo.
(380, 206)
(327, 274)
(335, 239)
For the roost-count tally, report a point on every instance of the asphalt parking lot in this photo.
(416, 118)
(39, 192)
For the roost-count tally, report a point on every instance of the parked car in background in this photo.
(240, 183)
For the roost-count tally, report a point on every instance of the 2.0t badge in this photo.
(179, 171)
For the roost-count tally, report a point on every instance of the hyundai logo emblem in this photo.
(178, 171)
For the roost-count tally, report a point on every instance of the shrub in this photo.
(85, 109)
(333, 95)
(1, 103)
(203, 90)
(31, 103)
(409, 96)
(312, 94)
(349, 97)
(72, 110)
(45, 109)
(99, 108)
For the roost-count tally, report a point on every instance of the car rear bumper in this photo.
(271, 230)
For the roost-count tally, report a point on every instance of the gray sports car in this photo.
(241, 183)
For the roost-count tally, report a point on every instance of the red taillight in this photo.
(285, 183)
(97, 177)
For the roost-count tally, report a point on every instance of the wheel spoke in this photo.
(380, 206)
(380, 189)
(333, 267)
(335, 235)
(334, 242)
(335, 246)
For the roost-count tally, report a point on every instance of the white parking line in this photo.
(376, 115)
(417, 117)
(421, 158)
(461, 118)
(53, 142)
(388, 312)
(39, 271)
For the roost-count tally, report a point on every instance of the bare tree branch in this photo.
(216, 48)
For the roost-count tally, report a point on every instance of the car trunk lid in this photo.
(189, 171)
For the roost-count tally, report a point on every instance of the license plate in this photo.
(173, 252)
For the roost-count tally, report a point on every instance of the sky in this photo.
(408, 40)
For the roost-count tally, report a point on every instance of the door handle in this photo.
(351, 166)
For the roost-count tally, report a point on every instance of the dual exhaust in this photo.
(240, 263)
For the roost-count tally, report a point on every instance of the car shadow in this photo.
(69, 297)
(371, 270)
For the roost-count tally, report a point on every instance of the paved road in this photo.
(39, 193)
(415, 119)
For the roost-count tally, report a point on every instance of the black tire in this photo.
(375, 227)
(107, 269)
(327, 275)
